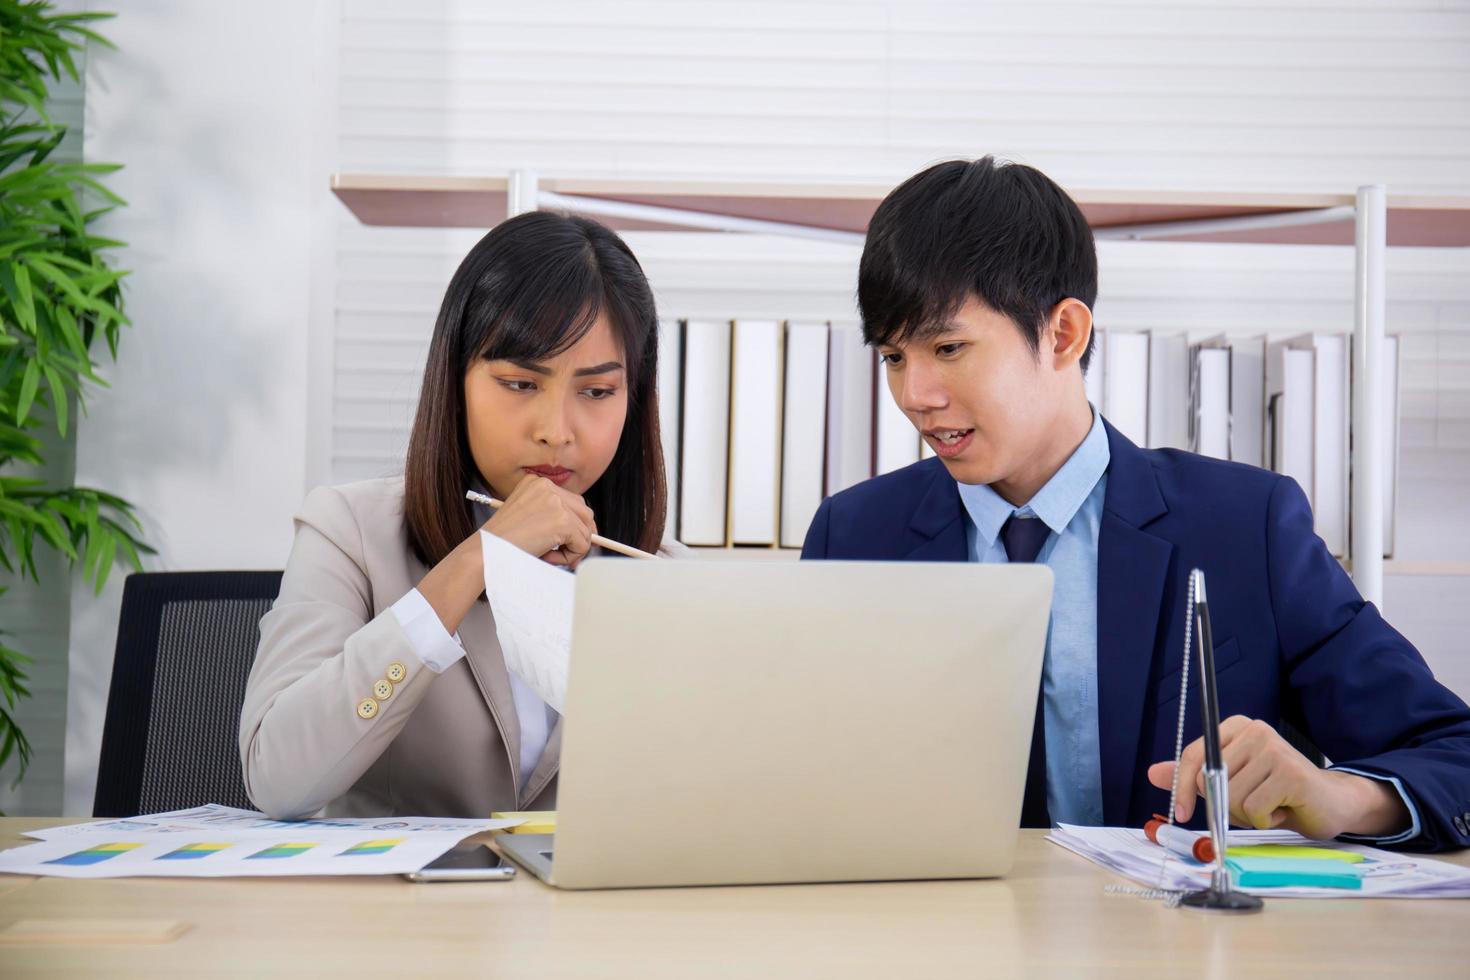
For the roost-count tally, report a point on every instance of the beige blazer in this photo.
(438, 745)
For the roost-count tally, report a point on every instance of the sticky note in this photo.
(537, 821)
(1274, 872)
(1295, 851)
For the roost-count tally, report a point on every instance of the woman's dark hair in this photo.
(1002, 232)
(529, 290)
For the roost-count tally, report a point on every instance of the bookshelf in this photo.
(844, 209)
(1370, 220)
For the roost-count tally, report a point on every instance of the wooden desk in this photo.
(1049, 917)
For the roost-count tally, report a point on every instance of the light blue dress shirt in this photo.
(1071, 505)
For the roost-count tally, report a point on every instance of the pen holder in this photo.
(1220, 896)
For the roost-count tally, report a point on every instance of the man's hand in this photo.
(1274, 785)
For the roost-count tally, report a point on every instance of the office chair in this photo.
(185, 645)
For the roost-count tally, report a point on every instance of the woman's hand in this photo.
(544, 520)
(539, 517)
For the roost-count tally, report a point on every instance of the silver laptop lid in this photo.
(738, 722)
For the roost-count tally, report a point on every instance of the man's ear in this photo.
(1069, 330)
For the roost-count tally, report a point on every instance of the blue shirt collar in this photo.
(1057, 502)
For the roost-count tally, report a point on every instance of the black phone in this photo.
(466, 862)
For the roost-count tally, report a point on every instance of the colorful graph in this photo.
(282, 851)
(192, 852)
(95, 854)
(372, 847)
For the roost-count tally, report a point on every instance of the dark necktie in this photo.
(1023, 538)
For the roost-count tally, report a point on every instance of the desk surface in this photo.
(1049, 917)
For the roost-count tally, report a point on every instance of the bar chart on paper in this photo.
(371, 847)
(195, 851)
(95, 854)
(278, 851)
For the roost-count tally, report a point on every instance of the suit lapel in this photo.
(936, 531)
(487, 666)
(545, 769)
(1132, 572)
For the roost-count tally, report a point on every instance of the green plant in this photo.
(57, 294)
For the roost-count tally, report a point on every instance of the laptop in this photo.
(740, 722)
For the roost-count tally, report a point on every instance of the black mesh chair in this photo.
(185, 644)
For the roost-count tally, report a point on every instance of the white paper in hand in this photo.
(532, 604)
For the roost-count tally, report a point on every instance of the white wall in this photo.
(278, 342)
(209, 108)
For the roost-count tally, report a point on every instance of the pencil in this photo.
(597, 539)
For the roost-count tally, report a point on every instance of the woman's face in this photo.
(560, 418)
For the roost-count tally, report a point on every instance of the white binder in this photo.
(1125, 385)
(755, 431)
(670, 371)
(1168, 391)
(704, 453)
(804, 429)
(850, 400)
(897, 440)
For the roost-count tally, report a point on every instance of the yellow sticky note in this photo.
(1294, 851)
(536, 821)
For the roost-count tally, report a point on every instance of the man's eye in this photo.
(946, 350)
(891, 359)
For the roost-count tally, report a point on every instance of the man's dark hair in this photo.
(1004, 232)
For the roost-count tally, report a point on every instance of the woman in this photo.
(379, 686)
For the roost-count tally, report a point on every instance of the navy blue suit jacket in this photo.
(1293, 638)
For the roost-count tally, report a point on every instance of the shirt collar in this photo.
(1057, 502)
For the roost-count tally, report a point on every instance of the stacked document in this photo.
(214, 841)
(1385, 874)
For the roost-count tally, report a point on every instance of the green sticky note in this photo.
(1276, 872)
(1297, 851)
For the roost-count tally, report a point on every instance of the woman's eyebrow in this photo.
(598, 369)
(530, 366)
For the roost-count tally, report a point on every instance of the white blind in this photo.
(1286, 96)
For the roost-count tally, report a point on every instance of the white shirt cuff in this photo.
(1414, 826)
(426, 634)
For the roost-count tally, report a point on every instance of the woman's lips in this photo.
(556, 474)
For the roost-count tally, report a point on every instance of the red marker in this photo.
(1182, 842)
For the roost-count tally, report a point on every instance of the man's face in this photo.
(982, 398)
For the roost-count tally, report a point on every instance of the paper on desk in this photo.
(215, 818)
(214, 841)
(1385, 874)
(227, 854)
(532, 605)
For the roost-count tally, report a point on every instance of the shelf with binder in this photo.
(1370, 220)
(835, 207)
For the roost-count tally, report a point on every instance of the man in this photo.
(976, 286)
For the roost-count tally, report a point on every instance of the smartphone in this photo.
(467, 862)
